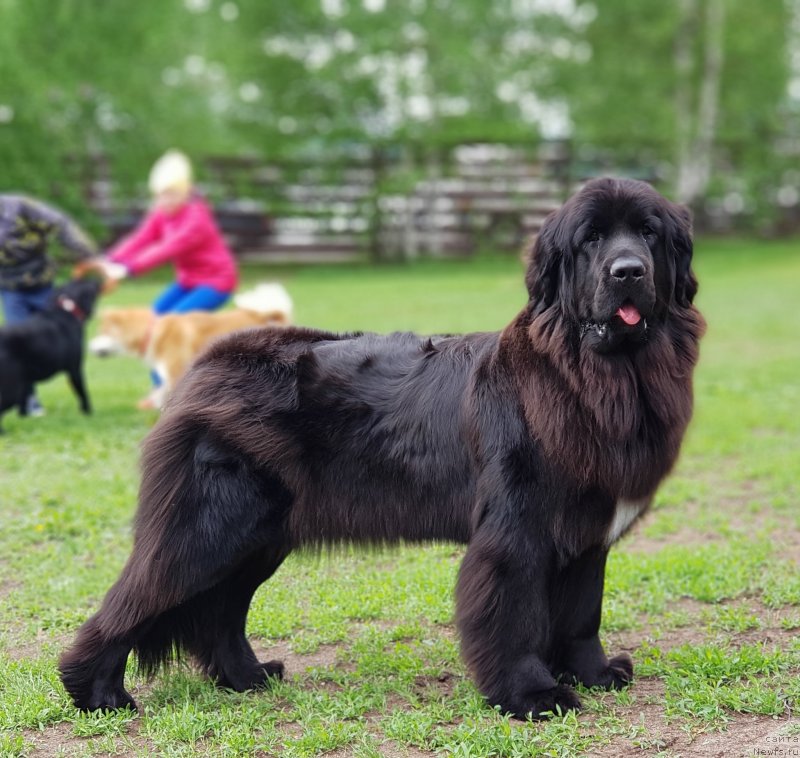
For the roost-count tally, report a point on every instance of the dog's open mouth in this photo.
(625, 324)
(629, 313)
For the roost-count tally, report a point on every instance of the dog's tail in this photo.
(267, 299)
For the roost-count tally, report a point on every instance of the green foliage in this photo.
(81, 79)
(126, 80)
(630, 102)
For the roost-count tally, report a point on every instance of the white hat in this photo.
(173, 170)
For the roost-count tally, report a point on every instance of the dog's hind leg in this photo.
(209, 530)
(223, 650)
(93, 669)
(211, 626)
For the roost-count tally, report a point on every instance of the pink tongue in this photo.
(629, 314)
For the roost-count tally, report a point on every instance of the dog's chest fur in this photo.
(625, 513)
(593, 519)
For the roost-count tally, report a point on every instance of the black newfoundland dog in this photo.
(537, 446)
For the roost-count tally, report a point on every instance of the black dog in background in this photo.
(538, 446)
(46, 344)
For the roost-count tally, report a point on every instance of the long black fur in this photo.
(529, 445)
(46, 344)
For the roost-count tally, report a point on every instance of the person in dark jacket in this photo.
(27, 269)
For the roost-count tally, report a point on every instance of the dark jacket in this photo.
(27, 227)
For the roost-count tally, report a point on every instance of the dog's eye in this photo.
(593, 236)
(648, 231)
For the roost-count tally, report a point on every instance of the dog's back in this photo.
(343, 413)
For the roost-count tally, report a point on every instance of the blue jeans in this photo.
(20, 305)
(178, 299)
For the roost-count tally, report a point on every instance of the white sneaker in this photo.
(35, 409)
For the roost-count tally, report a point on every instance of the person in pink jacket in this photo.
(179, 229)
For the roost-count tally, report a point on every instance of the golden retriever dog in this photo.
(169, 343)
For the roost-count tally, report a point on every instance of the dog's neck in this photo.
(621, 420)
(70, 306)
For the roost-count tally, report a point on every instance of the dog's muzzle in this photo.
(102, 345)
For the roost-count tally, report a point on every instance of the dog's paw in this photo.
(258, 677)
(620, 672)
(116, 699)
(90, 693)
(272, 670)
(615, 675)
(544, 704)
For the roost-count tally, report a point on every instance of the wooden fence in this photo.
(379, 204)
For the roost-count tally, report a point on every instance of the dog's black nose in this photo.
(627, 268)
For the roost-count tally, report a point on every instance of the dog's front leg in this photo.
(577, 599)
(503, 616)
(75, 374)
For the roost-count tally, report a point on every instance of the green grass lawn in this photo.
(705, 593)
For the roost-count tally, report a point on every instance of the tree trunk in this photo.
(684, 39)
(696, 135)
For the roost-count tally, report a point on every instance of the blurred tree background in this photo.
(701, 96)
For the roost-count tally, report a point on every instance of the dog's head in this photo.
(122, 331)
(616, 261)
(81, 293)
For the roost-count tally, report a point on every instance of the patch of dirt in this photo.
(771, 630)
(7, 586)
(296, 664)
(787, 541)
(693, 632)
(33, 649)
(441, 685)
(388, 749)
(638, 541)
(50, 740)
(58, 740)
(740, 519)
(647, 710)
(744, 736)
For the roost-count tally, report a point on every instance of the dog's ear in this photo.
(89, 292)
(547, 257)
(679, 246)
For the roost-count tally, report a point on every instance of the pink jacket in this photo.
(190, 238)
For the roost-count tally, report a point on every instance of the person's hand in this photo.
(114, 271)
(111, 273)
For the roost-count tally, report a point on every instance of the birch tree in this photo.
(697, 113)
(693, 89)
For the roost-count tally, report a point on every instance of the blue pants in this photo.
(21, 305)
(178, 299)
